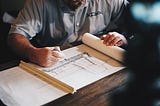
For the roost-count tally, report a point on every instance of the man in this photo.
(58, 22)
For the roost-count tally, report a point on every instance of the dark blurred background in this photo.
(142, 56)
(7, 7)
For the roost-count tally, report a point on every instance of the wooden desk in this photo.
(96, 94)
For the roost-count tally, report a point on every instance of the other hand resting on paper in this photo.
(113, 39)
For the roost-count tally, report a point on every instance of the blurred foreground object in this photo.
(142, 56)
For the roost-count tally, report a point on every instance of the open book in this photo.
(82, 65)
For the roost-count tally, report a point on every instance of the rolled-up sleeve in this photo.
(29, 19)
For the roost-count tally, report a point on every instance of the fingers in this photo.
(50, 56)
(102, 37)
(57, 54)
(109, 39)
(54, 58)
(113, 39)
(49, 63)
(119, 43)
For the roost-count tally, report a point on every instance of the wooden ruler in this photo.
(47, 78)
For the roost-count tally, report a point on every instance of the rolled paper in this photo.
(96, 43)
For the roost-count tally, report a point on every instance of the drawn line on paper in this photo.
(65, 62)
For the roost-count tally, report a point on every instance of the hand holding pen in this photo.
(46, 56)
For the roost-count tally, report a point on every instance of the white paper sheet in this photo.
(81, 66)
(19, 88)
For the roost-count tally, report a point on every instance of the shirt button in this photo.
(77, 24)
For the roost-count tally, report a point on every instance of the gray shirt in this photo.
(53, 23)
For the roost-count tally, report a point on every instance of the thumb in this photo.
(56, 51)
(102, 37)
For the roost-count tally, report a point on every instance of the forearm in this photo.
(20, 45)
(42, 56)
